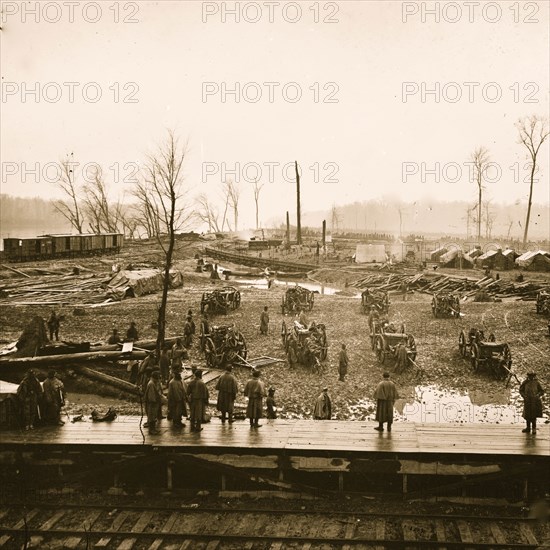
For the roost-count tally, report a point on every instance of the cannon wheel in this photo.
(506, 361)
(379, 345)
(462, 343)
(434, 306)
(474, 355)
(412, 345)
(210, 353)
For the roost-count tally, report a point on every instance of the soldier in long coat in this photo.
(188, 331)
(177, 400)
(29, 393)
(153, 401)
(323, 406)
(227, 392)
(531, 391)
(54, 399)
(385, 395)
(53, 326)
(255, 391)
(343, 362)
(264, 321)
(197, 392)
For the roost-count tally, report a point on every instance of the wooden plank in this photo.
(19, 525)
(380, 532)
(528, 534)
(408, 531)
(497, 533)
(464, 530)
(349, 533)
(73, 542)
(140, 525)
(115, 526)
(212, 545)
(186, 544)
(47, 525)
(440, 533)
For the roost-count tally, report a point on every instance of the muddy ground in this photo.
(443, 376)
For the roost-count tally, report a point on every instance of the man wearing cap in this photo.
(385, 395)
(188, 330)
(264, 321)
(323, 406)
(54, 398)
(531, 391)
(227, 392)
(153, 401)
(255, 391)
(197, 392)
(177, 399)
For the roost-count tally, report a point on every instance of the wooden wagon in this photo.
(445, 305)
(377, 299)
(305, 345)
(224, 345)
(297, 298)
(220, 300)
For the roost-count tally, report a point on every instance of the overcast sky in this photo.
(361, 60)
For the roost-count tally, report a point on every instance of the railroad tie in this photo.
(19, 525)
(349, 533)
(48, 524)
(213, 544)
(167, 527)
(465, 533)
(380, 530)
(116, 525)
(73, 542)
(139, 527)
(497, 533)
(440, 533)
(528, 534)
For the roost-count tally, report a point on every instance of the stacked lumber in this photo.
(466, 286)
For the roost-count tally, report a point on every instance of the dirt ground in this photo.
(442, 373)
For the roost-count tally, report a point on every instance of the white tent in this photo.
(370, 253)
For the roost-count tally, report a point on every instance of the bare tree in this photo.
(335, 222)
(149, 219)
(70, 207)
(162, 185)
(533, 132)
(480, 159)
(489, 220)
(257, 188)
(207, 213)
(232, 194)
(102, 216)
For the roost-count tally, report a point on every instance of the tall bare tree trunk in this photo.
(529, 202)
(298, 208)
(287, 229)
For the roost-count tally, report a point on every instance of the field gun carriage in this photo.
(297, 298)
(390, 344)
(305, 345)
(543, 302)
(486, 353)
(445, 304)
(224, 345)
(377, 299)
(220, 300)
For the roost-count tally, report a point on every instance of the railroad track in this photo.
(163, 528)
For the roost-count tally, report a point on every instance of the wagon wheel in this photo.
(379, 347)
(434, 306)
(462, 343)
(210, 353)
(474, 356)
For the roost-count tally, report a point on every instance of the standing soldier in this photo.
(114, 338)
(191, 321)
(54, 399)
(531, 391)
(323, 406)
(270, 404)
(177, 399)
(29, 393)
(153, 401)
(198, 399)
(343, 363)
(53, 325)
(132, 333)
(385, 395)
(204, 331)
(255, 391)
(179, 355)
(188, 330)
(227, 392)
(264, 321)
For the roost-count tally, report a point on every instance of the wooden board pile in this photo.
(466, 286)
(56, 288)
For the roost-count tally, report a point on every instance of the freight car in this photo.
(61, 246)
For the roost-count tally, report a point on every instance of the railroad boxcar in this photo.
(27, 249)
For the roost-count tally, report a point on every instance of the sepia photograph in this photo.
(274, 274)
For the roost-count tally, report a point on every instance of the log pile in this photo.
(466, 286)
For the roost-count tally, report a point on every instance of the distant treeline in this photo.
(20, 213)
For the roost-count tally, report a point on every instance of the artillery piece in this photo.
(543, 302)
(220, 300)
(377, 299)
(487, 353)
(224, 345)
(305, 345)
(297, 298)
(390, 344)
(445, 305)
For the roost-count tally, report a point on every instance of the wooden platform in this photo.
(347, 437)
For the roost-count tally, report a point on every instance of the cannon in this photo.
(445, 305)
(305, 345)
(377, 299)
(543, 302)
(220, 300)
(224, 345)
(297, 298)
(379, 325)
(488, 354)
(397, 346)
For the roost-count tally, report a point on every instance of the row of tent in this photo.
(493, 259)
